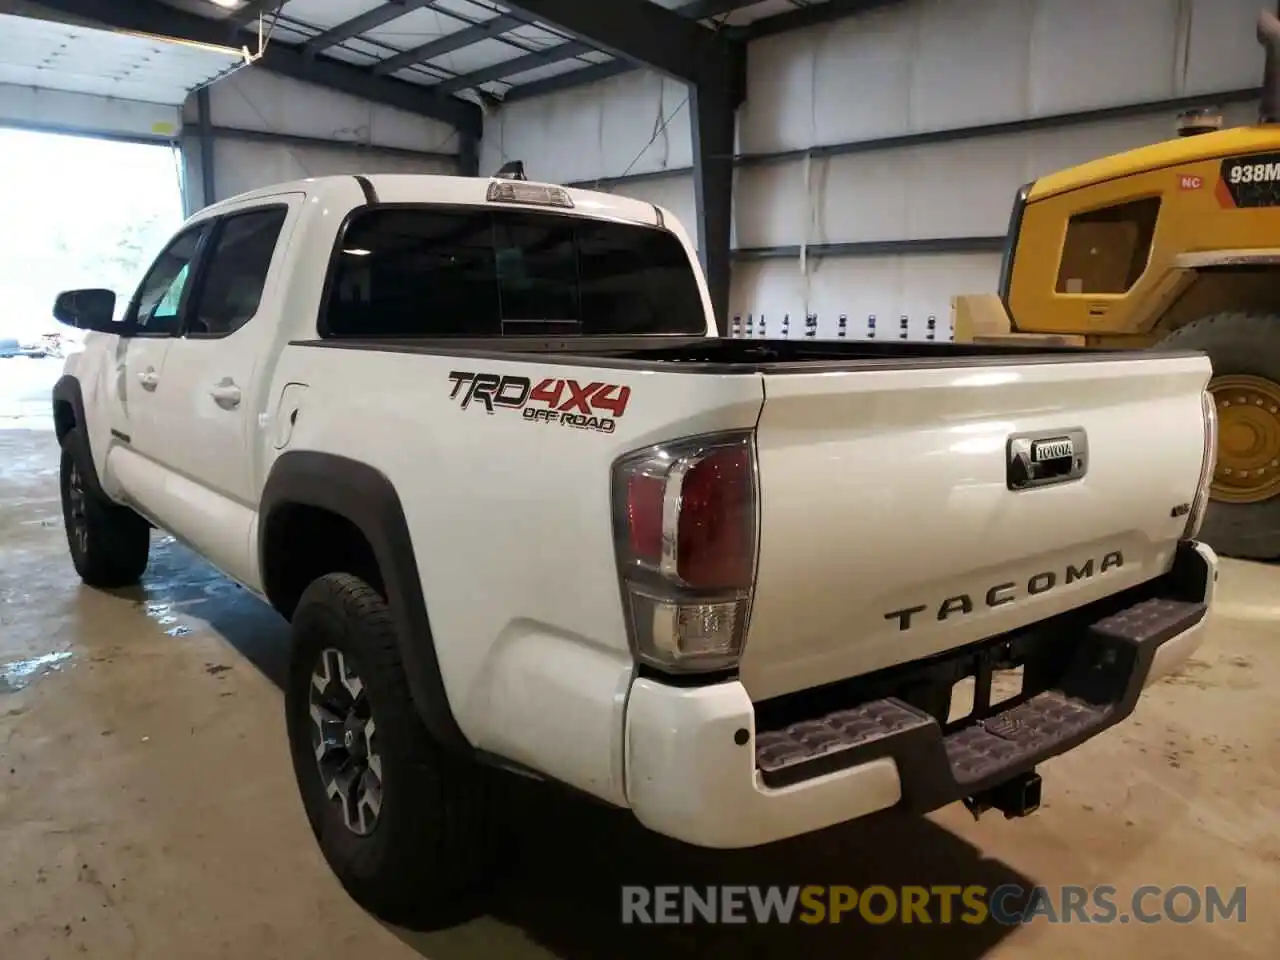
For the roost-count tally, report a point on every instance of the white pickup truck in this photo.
(479, 442)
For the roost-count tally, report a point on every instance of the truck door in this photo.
(217, 369)
(137, 389)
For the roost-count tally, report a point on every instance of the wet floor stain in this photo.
(18, 674)
(163, 615)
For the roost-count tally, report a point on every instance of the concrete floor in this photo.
(147, 806)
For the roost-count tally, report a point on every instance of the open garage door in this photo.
(78, 212)
(90, 175)
(63, 77)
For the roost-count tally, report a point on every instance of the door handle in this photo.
(149, 379)
(226, 394)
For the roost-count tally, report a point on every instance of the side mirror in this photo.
(92, 309)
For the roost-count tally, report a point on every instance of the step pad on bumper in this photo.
(1151, 621)
(1099, 689)
(990, 745)
(810, 740)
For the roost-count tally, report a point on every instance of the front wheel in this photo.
(407, 827)
(1243, 519)
(109, 544)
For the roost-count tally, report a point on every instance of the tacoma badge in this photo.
(1001, 593)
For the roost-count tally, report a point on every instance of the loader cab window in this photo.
(1106, 251)
(417, 271)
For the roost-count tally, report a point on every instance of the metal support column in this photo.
(468, 154)
(204, 122)
(713, 108)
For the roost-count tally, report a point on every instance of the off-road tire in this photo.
(109, 543)
(428, 861)
(1238, 343)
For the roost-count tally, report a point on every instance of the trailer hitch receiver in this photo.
(1016, 797)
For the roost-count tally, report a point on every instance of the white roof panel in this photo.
(469, 10)
(477, 56)
(416, 28)
(536, 37)
(418, 76)
(284, 33)
(326, 13)
(348, 53)
(543, 73)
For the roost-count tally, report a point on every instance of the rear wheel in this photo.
(407, 827)
(1244, 512)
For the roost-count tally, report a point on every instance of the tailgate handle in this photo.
(1043, 457)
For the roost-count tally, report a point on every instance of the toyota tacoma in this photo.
(480, 443)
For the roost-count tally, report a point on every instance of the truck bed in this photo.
(894, 521)
(721, 355)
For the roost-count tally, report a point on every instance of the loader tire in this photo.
(1248, 345)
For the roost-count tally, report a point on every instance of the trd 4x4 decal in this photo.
(588, 406)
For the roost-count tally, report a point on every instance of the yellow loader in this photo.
(1175, 245)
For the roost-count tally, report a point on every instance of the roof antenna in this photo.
(1269, 37)
(511, 171)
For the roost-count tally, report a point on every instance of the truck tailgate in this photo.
(889, 530)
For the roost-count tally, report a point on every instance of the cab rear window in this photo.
(432, 272)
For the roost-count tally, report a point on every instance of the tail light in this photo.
(685, 535)
(1208, 463)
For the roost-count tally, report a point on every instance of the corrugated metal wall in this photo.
(363, 137)
(913, 68)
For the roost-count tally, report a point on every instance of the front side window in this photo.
(159, 299)
(236, 273)
(1106, 251)
(430, 272)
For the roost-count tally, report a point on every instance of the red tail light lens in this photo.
(685, 516)
(644, 516)
(716, 526)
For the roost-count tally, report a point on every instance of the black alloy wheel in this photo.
(344, 737)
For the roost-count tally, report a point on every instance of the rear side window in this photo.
(428, 272)
(236, 274)
(410, 274)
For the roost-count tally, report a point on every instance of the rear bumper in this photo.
(700, 769)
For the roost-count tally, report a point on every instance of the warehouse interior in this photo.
(846, 169)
